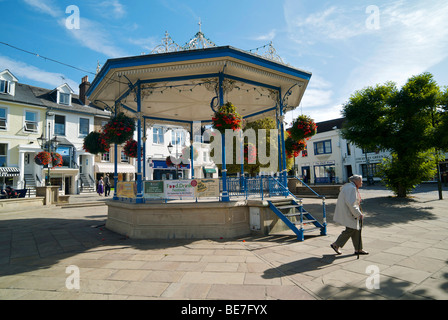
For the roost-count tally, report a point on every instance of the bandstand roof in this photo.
(180, 86)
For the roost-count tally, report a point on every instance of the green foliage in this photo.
(403, 121)
(402, 175)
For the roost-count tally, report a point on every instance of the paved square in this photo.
(407, 241)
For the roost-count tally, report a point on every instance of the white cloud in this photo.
(333, 23)
(91, 34)
(266, 37)
(411, 40)
(112, 9)
(45, 6)
(148, 44)
(24, 71)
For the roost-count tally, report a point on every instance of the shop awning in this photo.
(109, 167)
(161, 164)
(209, 170)
(9, 172)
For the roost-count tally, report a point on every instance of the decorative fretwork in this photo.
(168, 45)
(200, 41)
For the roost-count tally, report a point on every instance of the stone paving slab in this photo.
(407, 240)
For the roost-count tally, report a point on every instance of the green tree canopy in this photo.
(403, 121)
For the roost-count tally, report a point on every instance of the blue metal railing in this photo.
(251, 187)
(311, 189)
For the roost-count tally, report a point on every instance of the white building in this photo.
(159, 137)
(329, 158)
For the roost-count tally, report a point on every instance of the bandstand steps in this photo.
(297, 219)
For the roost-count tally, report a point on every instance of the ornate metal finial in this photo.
(272, 53)
(199, 41)
(168, 45)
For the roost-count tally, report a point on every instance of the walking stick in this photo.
(360, 229)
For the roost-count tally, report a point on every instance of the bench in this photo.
(21, 193)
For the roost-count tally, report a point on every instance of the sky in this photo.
(347, 45)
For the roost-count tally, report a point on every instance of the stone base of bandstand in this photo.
(193, 220)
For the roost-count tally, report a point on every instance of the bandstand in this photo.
(183, 86)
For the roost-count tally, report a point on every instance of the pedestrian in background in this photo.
(100, 187)
(348, 213)
(106, 185)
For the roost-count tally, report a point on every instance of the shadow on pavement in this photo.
(38, 243)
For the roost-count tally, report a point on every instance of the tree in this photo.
(254, 167)
(401, 121)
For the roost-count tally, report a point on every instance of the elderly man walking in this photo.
(348, 213)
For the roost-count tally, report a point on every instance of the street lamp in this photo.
(170, 149)
(48, 145)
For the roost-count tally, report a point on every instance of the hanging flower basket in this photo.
(56, 160)
(42, 158)
(303, 128)
(95, 143)
(293, 147)
(168, 161)
(119, 129)
(130, 149)
(227, 118)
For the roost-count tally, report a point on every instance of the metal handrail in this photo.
(302, 182)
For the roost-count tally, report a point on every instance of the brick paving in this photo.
(407, 241)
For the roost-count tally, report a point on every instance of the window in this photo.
(370, 170)
(4, 86)
(178, 137)
(305, 152)
(59, 125)
(157, 135)
(322, 147)
(3, 120)
(124, 157)
(3, 154)
(83, 127)
(64, 98)
(30, 121)
(105, 157)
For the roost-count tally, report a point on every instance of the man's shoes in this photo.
(361, 252)
(335, 248)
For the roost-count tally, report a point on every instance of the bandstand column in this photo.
(139, 198)
(115, 196)
(282, 132)
(225, 193)
(192, 151)
(144, 148)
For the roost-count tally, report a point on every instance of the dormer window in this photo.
(7, 82)
(63, 94)
(4, 86)
(64, 98)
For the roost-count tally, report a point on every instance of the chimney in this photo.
(83, 87)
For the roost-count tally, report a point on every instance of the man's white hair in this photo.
(355, 178)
